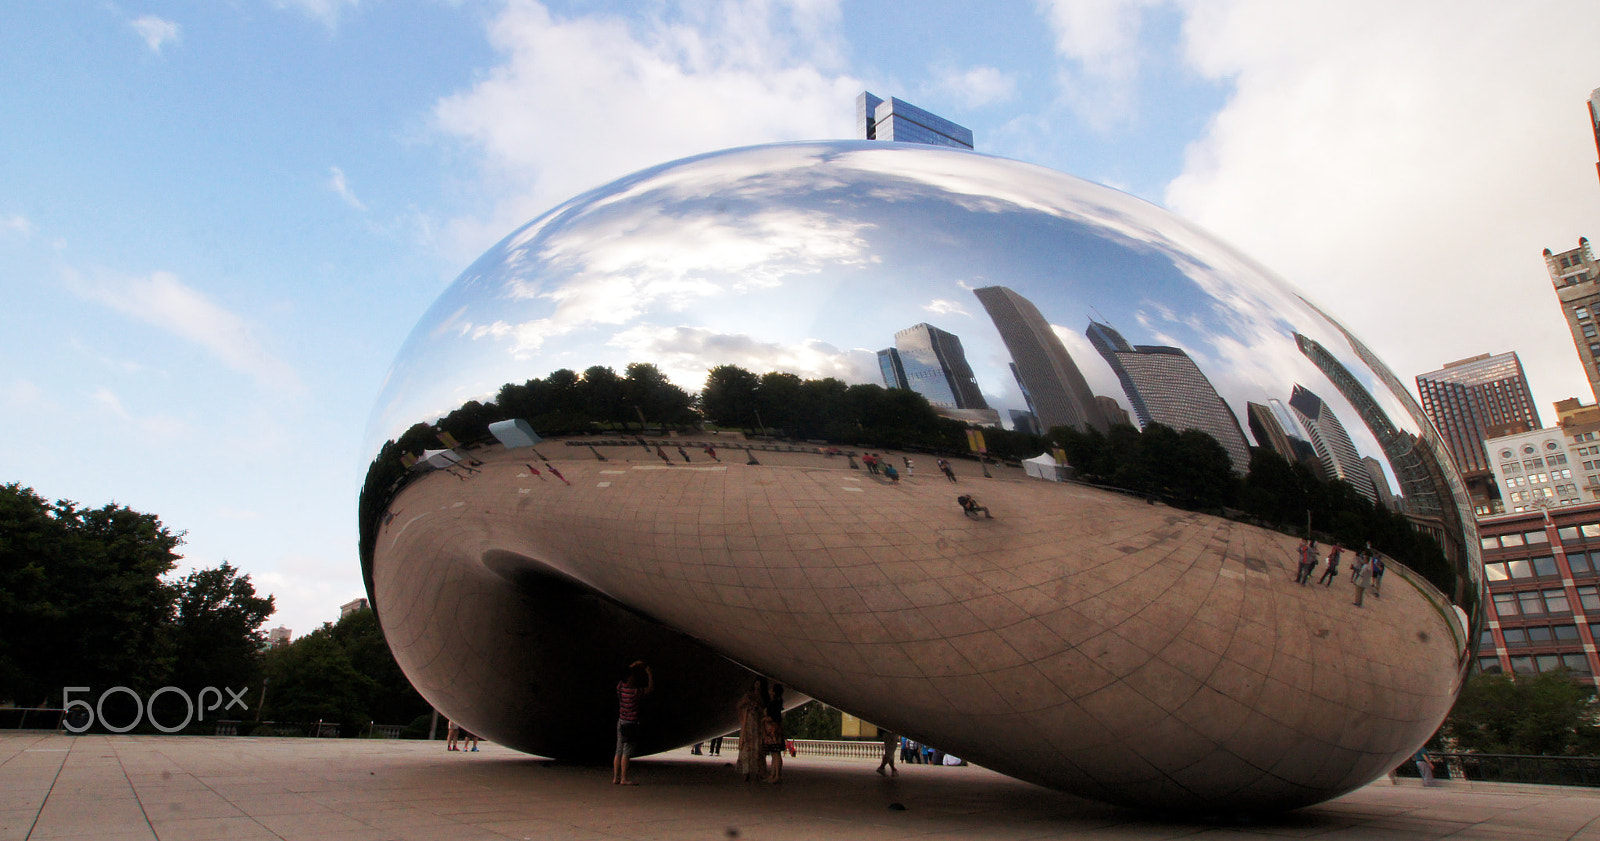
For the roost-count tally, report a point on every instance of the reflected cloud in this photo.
(704, 354)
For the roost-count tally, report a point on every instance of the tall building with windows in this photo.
(889, 365)
(1576, 278)
(1470, 401)
(898, 120)
(1165, 386)
(1055, 389)
(1594, 122)
(1535, 470)
(1543, 571)
(932, 363)
(1335, 450)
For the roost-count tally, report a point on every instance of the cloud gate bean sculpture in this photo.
(1012, 463)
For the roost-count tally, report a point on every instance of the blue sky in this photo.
(219, 221)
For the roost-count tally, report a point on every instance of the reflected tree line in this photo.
(1187, 469)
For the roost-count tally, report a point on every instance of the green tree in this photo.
(392, 700)
(216, 631)
(729, 397)
(313, 679)
(1548, 714)
(82, 599)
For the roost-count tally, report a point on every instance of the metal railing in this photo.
(31, 718)
(1511, 768)
(817, 747)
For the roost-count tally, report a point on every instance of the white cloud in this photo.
(17, 224)
(1099, 43)
(687, 354)
(973, 87)
(158, 426)
(581, 100)
(21, 394)
(337, 183)
(940, 306)
(156, 32)
(656, 261)
(1406, 166)
(327, 12)
(163, 301)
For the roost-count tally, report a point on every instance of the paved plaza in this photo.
(121, 788)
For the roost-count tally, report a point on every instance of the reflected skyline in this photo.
(1126, 632)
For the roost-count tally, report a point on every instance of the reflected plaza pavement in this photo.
(137, 788)
(1083, 639)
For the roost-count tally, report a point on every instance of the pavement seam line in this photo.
(49, 791)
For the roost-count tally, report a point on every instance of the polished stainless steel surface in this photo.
(1150, 648)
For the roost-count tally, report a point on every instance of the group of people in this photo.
(761, 732)
(1366, 572)
(459, 738)
(877, 464)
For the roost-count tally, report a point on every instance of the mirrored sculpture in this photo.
(1013, 464)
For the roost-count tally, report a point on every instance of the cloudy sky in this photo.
(219, 221)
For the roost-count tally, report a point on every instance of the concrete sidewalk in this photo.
(113, 788)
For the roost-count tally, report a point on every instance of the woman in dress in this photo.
(772, 741)
(752, 707)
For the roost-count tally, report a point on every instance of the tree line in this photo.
(1188, 469)
(88, 599)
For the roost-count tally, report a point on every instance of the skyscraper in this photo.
(894, 373)
(1055, 388)
(1332, 443)
(1594, 120)
(1165, 386)
(932, 363)
(1576, 278)
(901, 121)
(1472, 400)
(1273, 433)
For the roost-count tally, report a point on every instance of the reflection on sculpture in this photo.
(1134, 635)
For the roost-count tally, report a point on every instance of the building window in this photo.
(1489, 665)
(1505, 605)
(1578, 562)
(1536, 537)
(1589, 597)
(1509, 540)
(1545, 566)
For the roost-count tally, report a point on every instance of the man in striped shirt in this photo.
(634, 685)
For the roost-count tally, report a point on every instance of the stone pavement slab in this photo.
(170, 788)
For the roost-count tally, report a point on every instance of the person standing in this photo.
(945, 468)
(1363, 582)
(1308, 561)
(715, 748)
(891, 743)
(637, 682)
(1332, 571)
(1377, 566)
(452, 732)
(772, 740)
(752, 763)
(1424, 765)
